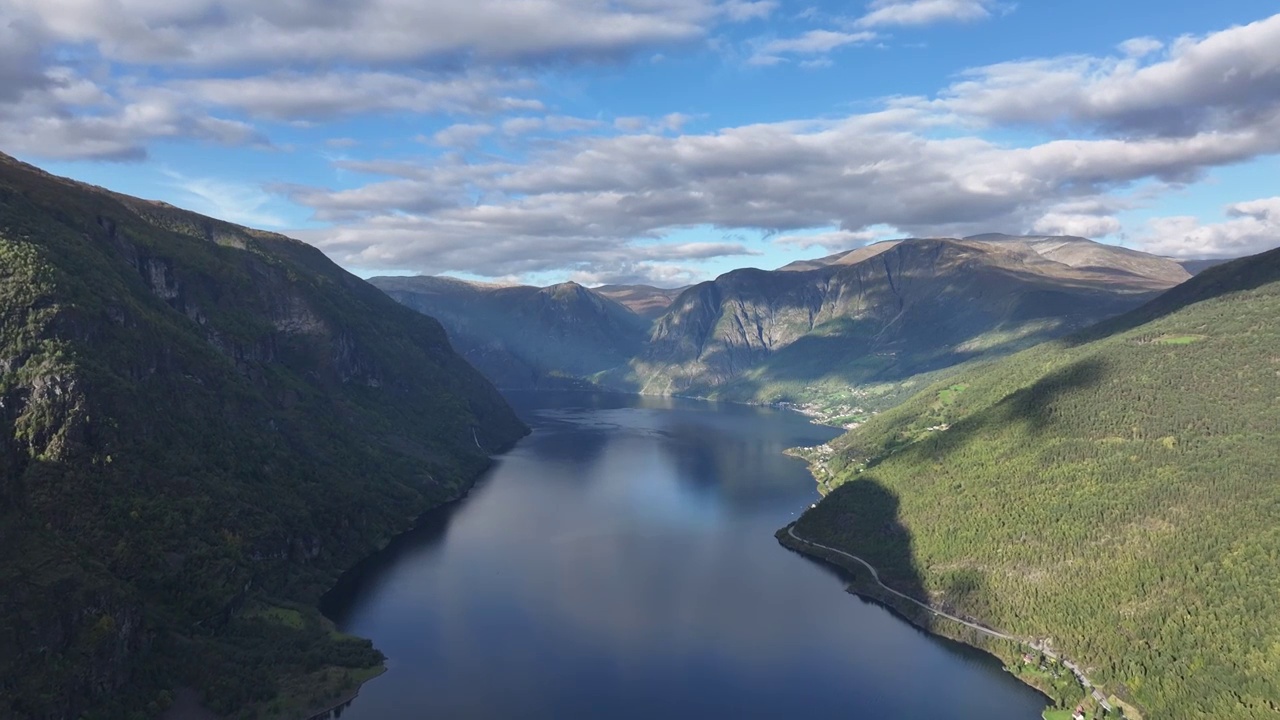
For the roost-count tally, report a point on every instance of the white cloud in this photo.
(226, 200)
(883, 13)
(240, 32)
(1251, 227)
(295, 96)
(814, 42)
(462, 135)
(1140, 47)
(1079, 225)
(1223, 81)
(72, 118)
(595, 195)
(837, 240)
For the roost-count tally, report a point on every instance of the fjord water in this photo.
(620, 562)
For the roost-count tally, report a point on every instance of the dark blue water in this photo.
(620, 563)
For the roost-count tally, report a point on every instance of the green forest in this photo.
(1115, 493)
(201, 426)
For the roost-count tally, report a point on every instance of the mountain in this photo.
(201, 426)
(644, 300)
(1130, 266)
(522, 337)
(881, 315)
(1116, 491)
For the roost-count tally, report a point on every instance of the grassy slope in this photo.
(195, 419)
(1117, 491)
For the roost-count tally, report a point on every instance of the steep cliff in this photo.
(199, 421)
(886, 313)
(522, 337)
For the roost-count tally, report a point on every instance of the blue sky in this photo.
(660, 141)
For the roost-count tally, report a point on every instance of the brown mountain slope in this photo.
(644, 300)
(900, 309)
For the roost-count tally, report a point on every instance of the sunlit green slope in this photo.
(1117, 492)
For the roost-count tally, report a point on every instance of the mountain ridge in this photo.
(916, 305)
(522, 336)
(202, 426)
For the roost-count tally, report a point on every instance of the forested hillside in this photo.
(1116, 492)
(200, 427)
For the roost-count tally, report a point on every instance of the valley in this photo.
(839, 338)
(633, 359)
(1051, 443)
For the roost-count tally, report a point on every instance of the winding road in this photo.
(876, 576)
(1075, 669)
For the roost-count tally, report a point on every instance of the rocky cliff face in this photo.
(197, 417)
(909, 307)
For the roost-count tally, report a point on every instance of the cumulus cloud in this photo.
(21, 65)
(596, 194)
(295, 96)
(241, 32)
(1251, 227)
(405, 196)
(882, 13)
(387, 242)
(328, 60)
(74, 119)
(1079, 225)
(1140, 47)
(1224, 81)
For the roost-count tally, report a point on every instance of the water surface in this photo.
(620, 563)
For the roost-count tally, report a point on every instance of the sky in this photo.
(660, 141)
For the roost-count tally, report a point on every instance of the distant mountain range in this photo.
(845, 330)
(522, 336)
(201, 426)
(644, 300)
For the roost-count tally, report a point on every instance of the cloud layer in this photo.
(506, 182)
(1205, 103)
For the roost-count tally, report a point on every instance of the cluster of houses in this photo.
(1029, 659)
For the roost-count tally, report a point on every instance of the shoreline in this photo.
(912, 611)
(189, 706)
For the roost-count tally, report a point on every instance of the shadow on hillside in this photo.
(1240, 275)
(861, 518)
(852, 361)
(341, 602)
(1032, 407)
